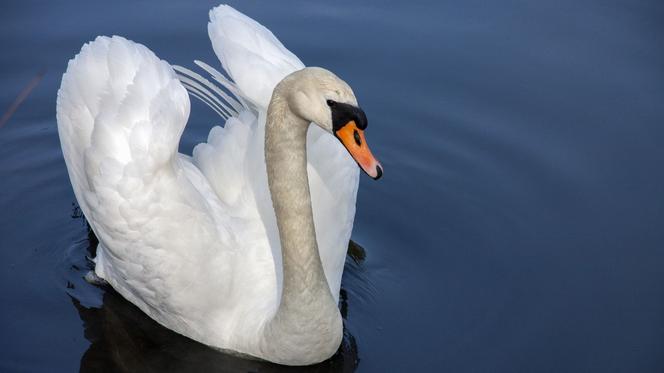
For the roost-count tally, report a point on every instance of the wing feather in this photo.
(253, 57)
(256, 61)
(121, 112)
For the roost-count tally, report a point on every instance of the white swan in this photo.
(220, 246)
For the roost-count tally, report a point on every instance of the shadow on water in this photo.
(124, 339)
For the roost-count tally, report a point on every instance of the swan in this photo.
(241, 245)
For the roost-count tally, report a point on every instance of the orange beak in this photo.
(353, 139)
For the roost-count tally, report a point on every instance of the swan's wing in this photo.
(167, 243)
(233, 161)
(233, 158)
(111, 94)
(120, 113)
(253, 57)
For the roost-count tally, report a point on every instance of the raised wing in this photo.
(118, 105)
(165, 240)
(256, 60)
(253, 57)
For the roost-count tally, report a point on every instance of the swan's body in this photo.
(197, 242)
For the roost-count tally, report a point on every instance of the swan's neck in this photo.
(307, 320)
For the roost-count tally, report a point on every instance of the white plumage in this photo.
(193, 241)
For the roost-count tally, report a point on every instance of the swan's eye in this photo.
(356, 136)
(330, 103)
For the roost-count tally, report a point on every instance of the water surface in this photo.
(518, 226)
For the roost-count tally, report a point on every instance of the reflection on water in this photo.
(124, 339)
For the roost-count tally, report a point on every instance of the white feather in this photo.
(193, 241)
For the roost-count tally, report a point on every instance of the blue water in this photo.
(518, 227)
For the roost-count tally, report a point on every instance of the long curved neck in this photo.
(307, 316)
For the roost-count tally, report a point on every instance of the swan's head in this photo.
(319, 96)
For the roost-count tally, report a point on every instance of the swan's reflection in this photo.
(124, 339)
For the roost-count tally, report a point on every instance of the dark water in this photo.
(518, 228)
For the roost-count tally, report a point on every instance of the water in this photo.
(518, 226)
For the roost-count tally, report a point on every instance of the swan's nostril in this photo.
(379, 172)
